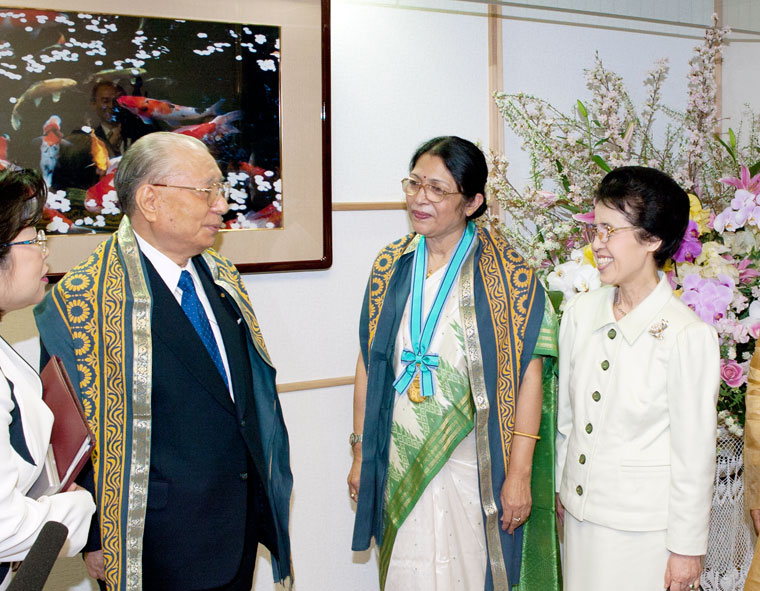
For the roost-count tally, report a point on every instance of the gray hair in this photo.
(148, 161)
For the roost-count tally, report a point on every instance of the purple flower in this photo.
(732, 373)
(690, 247)
(708, 297)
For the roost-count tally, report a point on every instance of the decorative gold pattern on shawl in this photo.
(142, 369)
(226, 276)
(498, 260)
(381, 273)
(97, 343)
(474, 356)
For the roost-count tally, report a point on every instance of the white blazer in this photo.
(22, 518)
(636, 416)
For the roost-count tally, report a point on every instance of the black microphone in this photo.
(34, 571)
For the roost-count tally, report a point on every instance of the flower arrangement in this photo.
(714, 270)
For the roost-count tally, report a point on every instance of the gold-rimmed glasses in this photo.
(40, 240)
(434, 193)
(213, 192)
(602, 231)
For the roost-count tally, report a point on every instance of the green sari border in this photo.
(433, 455)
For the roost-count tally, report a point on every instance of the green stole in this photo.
(98, 319)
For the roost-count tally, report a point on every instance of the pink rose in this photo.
(732, 373)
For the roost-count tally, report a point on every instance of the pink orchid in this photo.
(708, 297)
(690, 247)
(745, 273)
(586, 218)
(751, 184)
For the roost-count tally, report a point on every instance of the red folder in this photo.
(71, 437)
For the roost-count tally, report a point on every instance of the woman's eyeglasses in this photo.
(602, 231)
(40, 240)
(434, 193)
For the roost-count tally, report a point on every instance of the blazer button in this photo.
(582, 459)
(596, 396)
(605, 365)
(589, 428)
(244, 476)
(579, 489)
(612, 333)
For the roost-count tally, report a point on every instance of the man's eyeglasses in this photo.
(40, 240)
(213, 192)
(602, 231)
(434, 193)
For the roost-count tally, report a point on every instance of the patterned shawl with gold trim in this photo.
(98, 320)
(506, 306)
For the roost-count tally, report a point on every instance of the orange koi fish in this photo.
(99, 153)
(217, 128)
(150, 109)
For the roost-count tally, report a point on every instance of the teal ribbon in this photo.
(418, 359)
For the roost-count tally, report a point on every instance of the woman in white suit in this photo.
(25, 420)
(638, 385)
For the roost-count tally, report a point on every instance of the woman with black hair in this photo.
(639, 377)
(448, 390)
(26, 420)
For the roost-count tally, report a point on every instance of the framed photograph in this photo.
(80, 86)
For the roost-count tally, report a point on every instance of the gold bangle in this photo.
(536, 437)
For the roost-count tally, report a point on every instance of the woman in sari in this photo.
(448, 392)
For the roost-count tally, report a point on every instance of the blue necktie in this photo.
(194, 311)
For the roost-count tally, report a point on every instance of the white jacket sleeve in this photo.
(567, 330)
(22, 518)
(692, 389)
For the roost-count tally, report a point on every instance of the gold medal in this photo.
(414, 390)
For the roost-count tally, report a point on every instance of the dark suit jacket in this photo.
(206, 501)
(205, 492)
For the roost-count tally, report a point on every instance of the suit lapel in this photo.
(172, 328)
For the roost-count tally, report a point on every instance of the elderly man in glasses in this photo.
(191, 471)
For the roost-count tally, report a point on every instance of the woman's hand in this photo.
(683, 571)
(354, 475)
(516, 501)
(74, 486)
(560, 509)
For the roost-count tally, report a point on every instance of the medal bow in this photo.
(417, 362)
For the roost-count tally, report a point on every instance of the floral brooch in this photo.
(658, 328)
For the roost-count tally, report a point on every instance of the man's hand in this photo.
(96, 565)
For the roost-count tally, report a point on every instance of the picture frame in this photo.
(304, 242)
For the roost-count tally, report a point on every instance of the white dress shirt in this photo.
(170, 271)
(636, 416)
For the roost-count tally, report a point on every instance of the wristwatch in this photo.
(354, 438)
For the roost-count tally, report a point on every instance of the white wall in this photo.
(401, 73)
